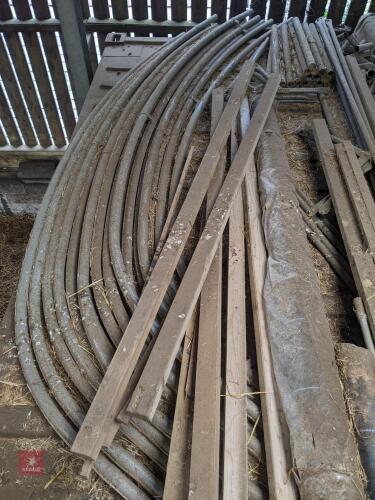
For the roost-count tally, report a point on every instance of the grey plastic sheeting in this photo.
(365, 29)
(358, 366)
(324, 455)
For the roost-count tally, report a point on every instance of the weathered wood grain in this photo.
(49, 42)
(205, 447)
(235, 469)
(198, 10)
(38, 66)
(359, 194)
(15, 98)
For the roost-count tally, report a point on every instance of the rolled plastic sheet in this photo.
(324, 453)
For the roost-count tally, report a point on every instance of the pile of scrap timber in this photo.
(168, 302)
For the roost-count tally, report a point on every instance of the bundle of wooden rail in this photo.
(168, 302)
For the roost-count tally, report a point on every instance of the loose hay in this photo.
(14, 235)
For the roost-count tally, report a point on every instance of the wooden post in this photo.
(205, 447)
(235, 472)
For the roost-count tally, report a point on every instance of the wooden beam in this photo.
(198, 10)
(75, 48)
(279, 482)
(120, 9)
(101, 8)
(99, 425)
(5, 11)
(150, 386)
(159, 10)
(139, 9)
(101, 11)
(359, 193)
(237, 6)
(9, 125)
(205, 446)
(259, 7)
(176, 484)
(10, 156)
(3, 140)
(235, 469)
(51, 50)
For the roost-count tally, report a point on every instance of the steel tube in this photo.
(286, 54)
(305, 47)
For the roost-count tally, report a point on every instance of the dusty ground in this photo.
(60, 479)
(309, 177)
(14, 234)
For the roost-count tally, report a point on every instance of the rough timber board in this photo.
(359, 193)
(206, 420)
(177, 477)
(235, 470)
